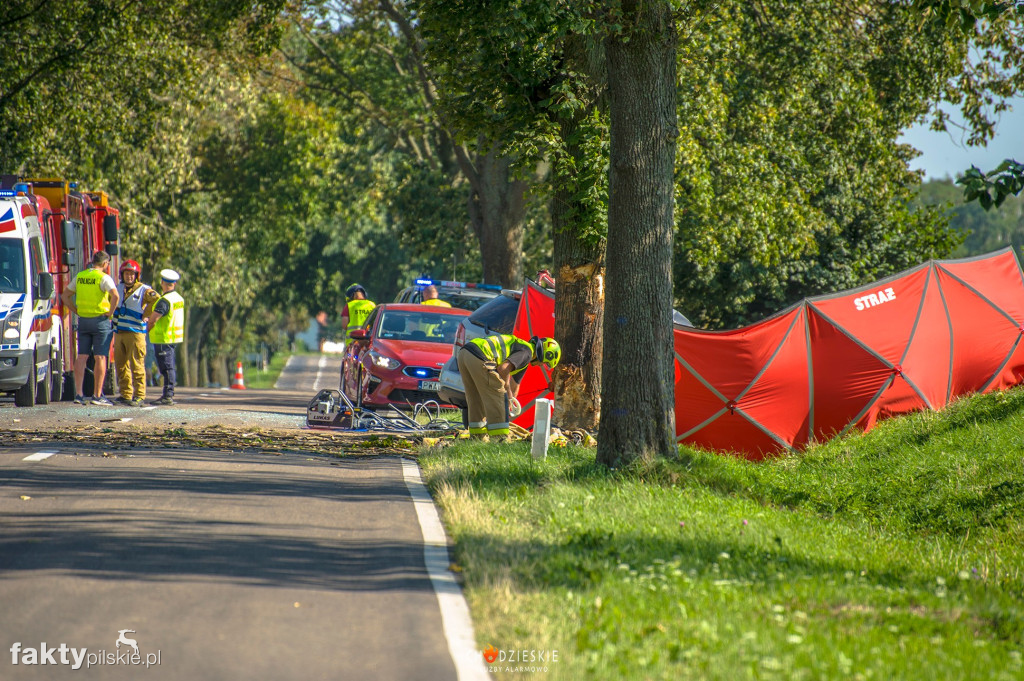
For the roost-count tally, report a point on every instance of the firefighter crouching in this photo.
(491, 368)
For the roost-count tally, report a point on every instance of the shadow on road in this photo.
(297, 546)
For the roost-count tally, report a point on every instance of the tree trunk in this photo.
(497, 207)
(579, 306)
(195, 328)
(637, 400)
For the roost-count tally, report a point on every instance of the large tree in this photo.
(533, 74)
(638, 405)
(368, 56)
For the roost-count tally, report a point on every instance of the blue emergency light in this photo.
(7, 193)
(456, 284)
(421, 373)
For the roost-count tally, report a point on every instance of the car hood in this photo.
(415, 353)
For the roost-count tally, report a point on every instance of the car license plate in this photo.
(430, 385)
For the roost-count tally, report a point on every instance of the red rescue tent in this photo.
(913, 341)
(536, 317)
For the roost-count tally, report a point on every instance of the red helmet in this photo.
(131, 265)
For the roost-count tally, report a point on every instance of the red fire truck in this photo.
(76, 225)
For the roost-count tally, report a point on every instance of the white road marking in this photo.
(319, 372)
(39, 456)
(455, 619)
(284, 371)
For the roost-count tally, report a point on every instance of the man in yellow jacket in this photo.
(92, 295)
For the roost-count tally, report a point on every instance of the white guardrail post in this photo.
(542, 409)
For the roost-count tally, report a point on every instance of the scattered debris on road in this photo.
(229, 440)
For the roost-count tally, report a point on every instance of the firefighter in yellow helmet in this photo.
(491, 368)
(357, 309)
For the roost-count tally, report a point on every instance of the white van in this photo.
(28, 336)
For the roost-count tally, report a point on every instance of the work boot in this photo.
(138, 402)
(163, 402)
(123, 401)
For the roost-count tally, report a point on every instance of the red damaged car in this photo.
(396, 357)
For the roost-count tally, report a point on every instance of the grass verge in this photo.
(261, 380)
(893, 555)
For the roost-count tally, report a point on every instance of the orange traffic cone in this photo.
(239, 382)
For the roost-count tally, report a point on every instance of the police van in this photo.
(28, 336)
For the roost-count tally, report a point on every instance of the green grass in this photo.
(256, 379)
(893, 555)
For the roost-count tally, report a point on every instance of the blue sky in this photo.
(944, 154)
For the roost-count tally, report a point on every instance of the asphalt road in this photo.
(226, 563)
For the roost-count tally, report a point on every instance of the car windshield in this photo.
(498, 315)
(466, 299)
(12, 266)
(426, 326)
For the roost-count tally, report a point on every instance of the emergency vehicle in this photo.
(467, 296)
(71, 225)
(78, 224)
(29, 339)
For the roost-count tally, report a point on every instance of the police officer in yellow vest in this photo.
(357, 309)
(167, 330)
(92, 295)
(491, 368)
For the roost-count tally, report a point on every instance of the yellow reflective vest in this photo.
(171, 327)
(90, 299)
(498, 348)
(358, 311)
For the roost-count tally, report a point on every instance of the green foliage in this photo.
(983, 231)
(535, 68)
(790, 182)
(991, 189)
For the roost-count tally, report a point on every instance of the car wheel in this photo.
(26, 394)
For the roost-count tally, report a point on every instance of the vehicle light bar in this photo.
(456, 284)
(462, 284)
(7, 193)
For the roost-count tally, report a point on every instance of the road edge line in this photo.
(455, 619)
(283, 369)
